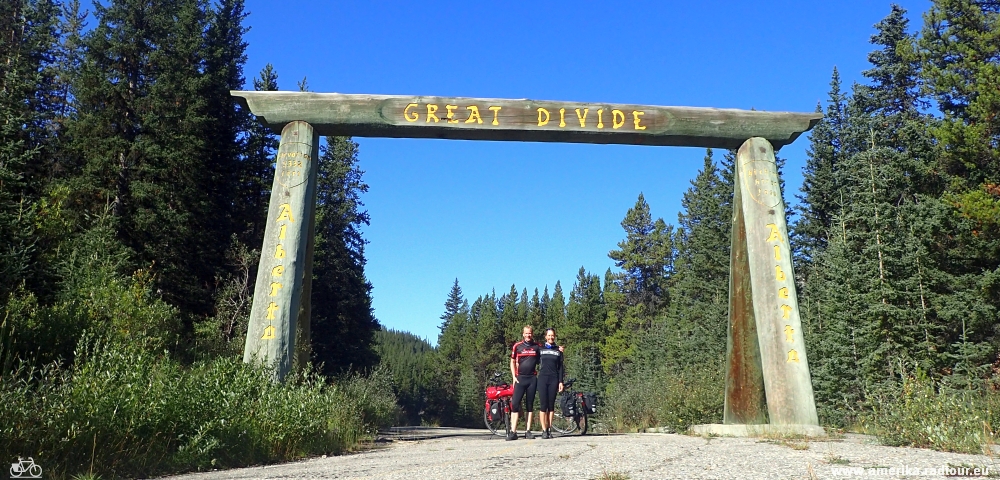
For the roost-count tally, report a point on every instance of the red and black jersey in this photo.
(526, 354)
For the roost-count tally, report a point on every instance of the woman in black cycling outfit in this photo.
(550, 380)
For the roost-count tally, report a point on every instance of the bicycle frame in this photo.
(497, 391)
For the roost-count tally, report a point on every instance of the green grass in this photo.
(122, 412)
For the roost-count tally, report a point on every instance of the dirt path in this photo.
(441, 453)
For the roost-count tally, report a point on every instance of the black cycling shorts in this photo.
(548, 387)
(525, 387)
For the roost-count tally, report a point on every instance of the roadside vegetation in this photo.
(129, 214)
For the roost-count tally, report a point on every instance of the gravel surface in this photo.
(442, 453)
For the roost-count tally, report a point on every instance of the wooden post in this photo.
(773, 301)
(278, 293)
(744, 401)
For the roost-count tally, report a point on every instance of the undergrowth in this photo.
(931, 415)
(665, 398)
(120, 411)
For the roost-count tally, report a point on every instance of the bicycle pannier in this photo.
(494, 409)
(590, 403)
(568, 405)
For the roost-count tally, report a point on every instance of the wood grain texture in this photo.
(787, 384)
(744, 400)
(277, 296)
(523, 120)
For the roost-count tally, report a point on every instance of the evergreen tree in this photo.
(820, 188)
(960, 48)
(140, 136)
(645, 258)
(341, 294)
(555, 311)
(411, 361)
(453, 354)
(257, 169)
(584, 331)
(700, 283)
(28, 108)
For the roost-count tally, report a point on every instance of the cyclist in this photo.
(550, 379)
(523, 360)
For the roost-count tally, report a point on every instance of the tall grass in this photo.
(664, 398)
(930, 415)
(121, 411)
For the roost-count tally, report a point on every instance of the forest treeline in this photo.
(896, 243)
(133, 197)
(128, 167)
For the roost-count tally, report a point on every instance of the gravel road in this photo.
(443, 453)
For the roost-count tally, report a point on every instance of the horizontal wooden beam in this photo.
(458, 118)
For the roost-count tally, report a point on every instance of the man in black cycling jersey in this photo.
(551, 371)
(523, 360)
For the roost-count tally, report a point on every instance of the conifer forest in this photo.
(133, 194)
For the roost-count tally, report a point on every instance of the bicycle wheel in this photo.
(35, 471)
(563, 425)
(496, 423)
(584, 424)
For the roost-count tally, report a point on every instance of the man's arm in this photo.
(513, 370)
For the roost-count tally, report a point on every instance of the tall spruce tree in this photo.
(700, 283)
(645, 257)
(28, 108)
(341, 294)
(257, 169)
(820, 198)
(141, 137)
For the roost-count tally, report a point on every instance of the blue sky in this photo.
(493, 214)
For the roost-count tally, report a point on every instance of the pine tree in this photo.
(584, 331)
(700, 282)
(819, 200)
(28, 108)
(453, 354)
(256, 169)
(141, 136)
(960, 48)
(555, 311)
(341, 294)
(645, 258)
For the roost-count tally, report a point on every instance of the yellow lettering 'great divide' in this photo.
(619, 118)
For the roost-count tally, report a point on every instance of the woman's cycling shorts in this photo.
(548, 388)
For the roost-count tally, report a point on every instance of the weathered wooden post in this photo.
(278, 294)
(767, 364)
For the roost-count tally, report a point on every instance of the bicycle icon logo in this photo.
(25, 469)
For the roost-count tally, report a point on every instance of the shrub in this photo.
(664, 397)
(121, 411)
(931, 415)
